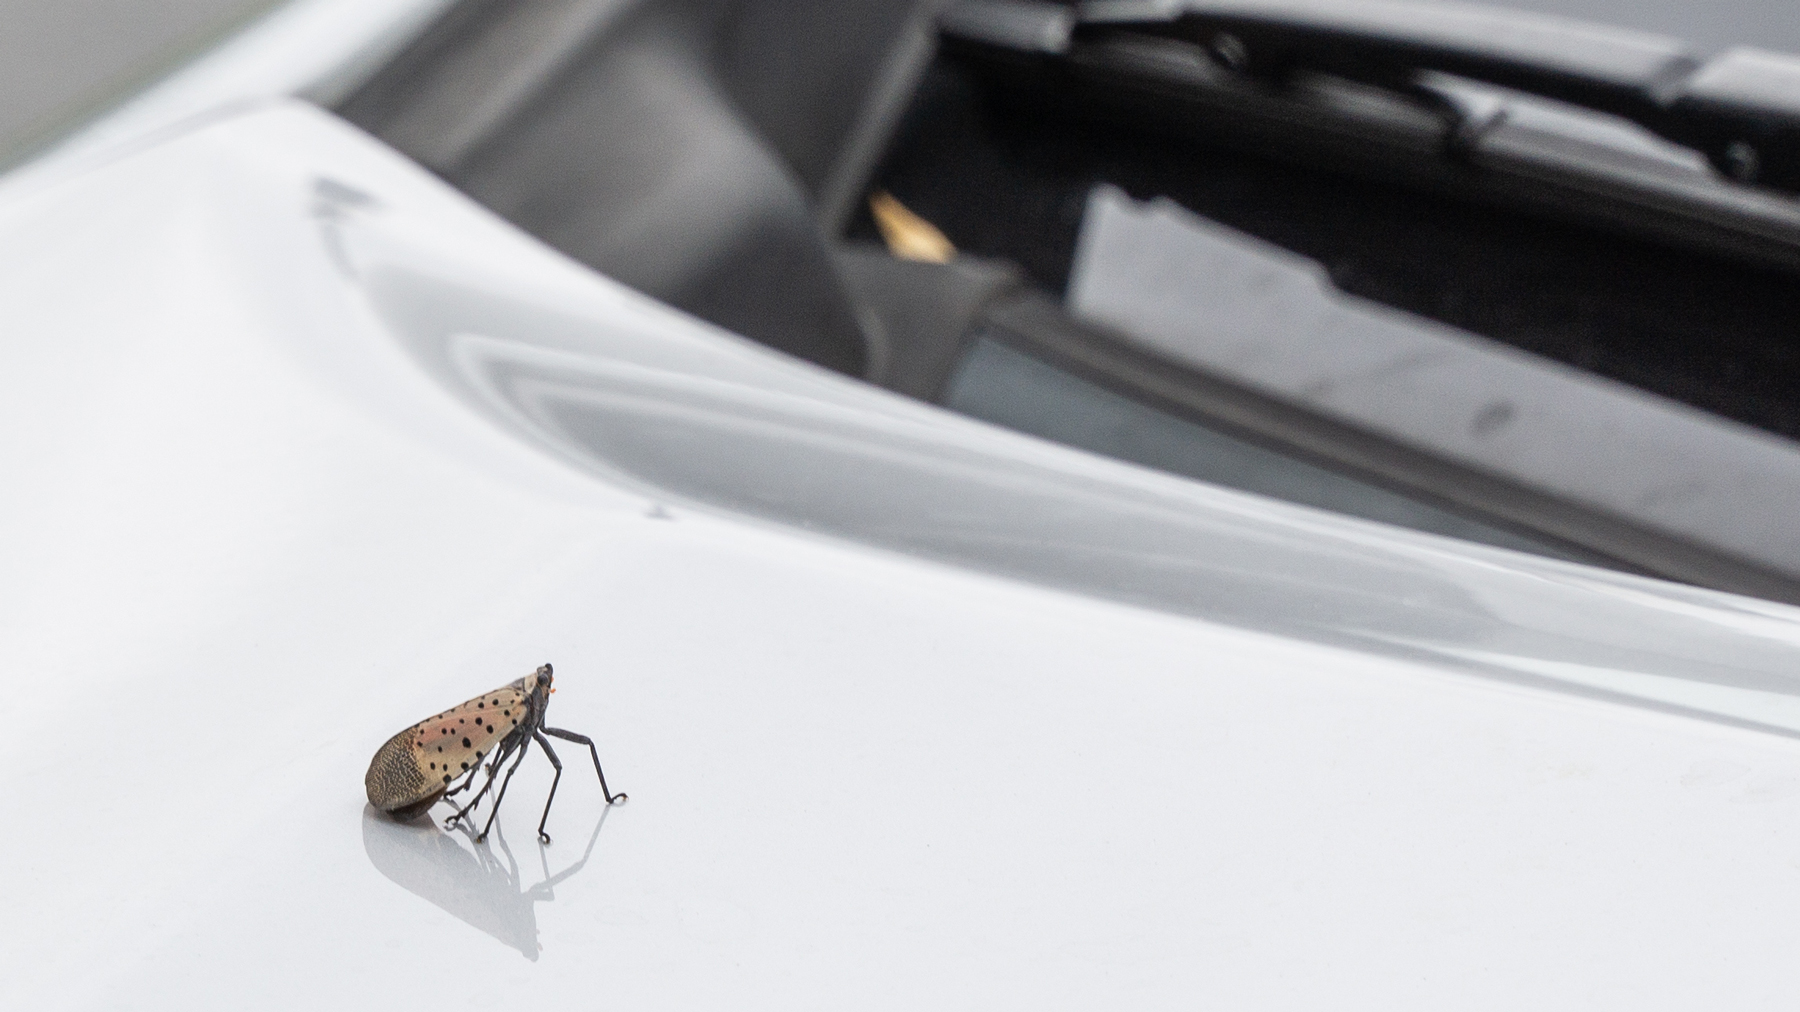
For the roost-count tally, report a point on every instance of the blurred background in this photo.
(64, 60)
(1341, 283)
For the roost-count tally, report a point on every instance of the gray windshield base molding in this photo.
(1207, 297)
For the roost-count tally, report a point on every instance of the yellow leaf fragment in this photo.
(907, 235)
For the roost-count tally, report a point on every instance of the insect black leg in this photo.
(582, 739)
(544, 837)
(495, 811)
(476, 800)
(467, 782)
(457, 816)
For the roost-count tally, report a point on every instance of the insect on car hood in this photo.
(441, 756)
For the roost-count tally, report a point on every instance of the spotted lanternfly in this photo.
(441, 756)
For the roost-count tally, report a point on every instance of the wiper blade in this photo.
(1741, 109)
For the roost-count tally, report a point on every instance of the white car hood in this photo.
(301, 446)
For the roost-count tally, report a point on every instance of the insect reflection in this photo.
(471, 883)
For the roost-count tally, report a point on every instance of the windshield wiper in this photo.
(1741, 110)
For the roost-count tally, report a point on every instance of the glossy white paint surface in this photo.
(301, 446)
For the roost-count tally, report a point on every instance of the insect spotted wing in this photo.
(417, 766)
(443, 754)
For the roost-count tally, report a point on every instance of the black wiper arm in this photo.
(1741, 109)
